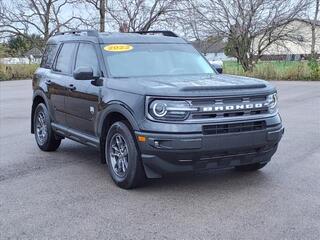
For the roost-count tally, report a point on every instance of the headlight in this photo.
(272, 101)
(170, 110)
(159, 109)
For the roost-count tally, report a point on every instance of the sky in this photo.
(88, 12)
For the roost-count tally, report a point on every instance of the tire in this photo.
(44, 135)
(250, 167)
(123, 158)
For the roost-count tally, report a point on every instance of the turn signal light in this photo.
(142, 139)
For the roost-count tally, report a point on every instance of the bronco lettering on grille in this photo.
(234, 107)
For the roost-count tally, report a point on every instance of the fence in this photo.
(24, 60)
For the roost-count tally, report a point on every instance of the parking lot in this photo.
(68, 194)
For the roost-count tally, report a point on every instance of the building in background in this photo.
(298, 45)
(212, 48)
(33, 56)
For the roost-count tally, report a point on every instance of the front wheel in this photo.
(250, 167)
(45, 137)
(122, 155)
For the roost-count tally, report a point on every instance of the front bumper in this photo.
(169, 153)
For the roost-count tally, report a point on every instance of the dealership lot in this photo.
(68, 194)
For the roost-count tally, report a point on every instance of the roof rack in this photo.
(92, 33)
(164, 33)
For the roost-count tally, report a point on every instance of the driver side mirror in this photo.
(83, 73)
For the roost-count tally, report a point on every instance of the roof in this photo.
(210, 45)
(35, 52)
(115, 37)
(309, 21)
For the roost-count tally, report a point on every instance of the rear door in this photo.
(58, 78)
(51, 88)
(83, 98)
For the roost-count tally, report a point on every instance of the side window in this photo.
(87, 57)
(48, 56)
(65, 58)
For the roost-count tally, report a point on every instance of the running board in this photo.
(76, 135)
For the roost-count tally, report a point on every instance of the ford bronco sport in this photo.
(152, 104)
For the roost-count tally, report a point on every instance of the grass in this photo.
(273, 70)
(17, 71)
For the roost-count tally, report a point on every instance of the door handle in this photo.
(71, 87)
(48, 82)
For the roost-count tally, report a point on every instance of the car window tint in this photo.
(65, 57)
(48, 56)
(87, 57)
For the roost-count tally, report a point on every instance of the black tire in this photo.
(131, 173)
(46, 141)
(250, 167)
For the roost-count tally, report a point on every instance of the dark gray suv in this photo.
(152, 104)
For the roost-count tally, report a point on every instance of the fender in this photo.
(41, 94)
(116, 107)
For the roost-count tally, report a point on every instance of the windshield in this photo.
(144, 60)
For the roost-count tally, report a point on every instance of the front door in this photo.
(82, 101)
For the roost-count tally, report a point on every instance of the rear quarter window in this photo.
(48, 56)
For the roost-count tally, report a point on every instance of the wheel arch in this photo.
(38, 97)
(113, 113)
(116, 112)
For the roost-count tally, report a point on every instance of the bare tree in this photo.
(251, 25)
(43, 17)
(186, 20)
(101, 7)
(313, 30)
(139, 15)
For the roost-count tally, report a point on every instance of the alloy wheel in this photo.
(41, 128)
(118, 151)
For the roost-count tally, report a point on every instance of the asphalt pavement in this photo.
(68, 194)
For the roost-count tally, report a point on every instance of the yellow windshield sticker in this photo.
(118, 48)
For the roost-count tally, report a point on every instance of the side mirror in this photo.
(83, 73)
(218, 67)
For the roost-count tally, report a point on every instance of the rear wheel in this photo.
(44, 135)
(123, 158)
(250, 167)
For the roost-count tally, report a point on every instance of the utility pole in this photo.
(313, 30)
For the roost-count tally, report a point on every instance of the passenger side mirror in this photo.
(83, 73)
(217, 65)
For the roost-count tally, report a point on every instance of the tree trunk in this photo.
(102, 11)
(246, 63)
(313, 31)
(47, 20)
(243, 45)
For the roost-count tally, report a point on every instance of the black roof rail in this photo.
(91, 33)
(164, 33)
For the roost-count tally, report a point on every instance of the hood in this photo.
(213, 85)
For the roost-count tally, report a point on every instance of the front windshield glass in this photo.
(145, 60)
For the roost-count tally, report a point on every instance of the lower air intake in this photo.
(233, 127)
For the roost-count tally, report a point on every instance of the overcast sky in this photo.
(80, 10)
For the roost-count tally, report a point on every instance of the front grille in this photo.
(233, 127)
(206, 103)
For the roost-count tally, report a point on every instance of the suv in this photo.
(152, 104)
